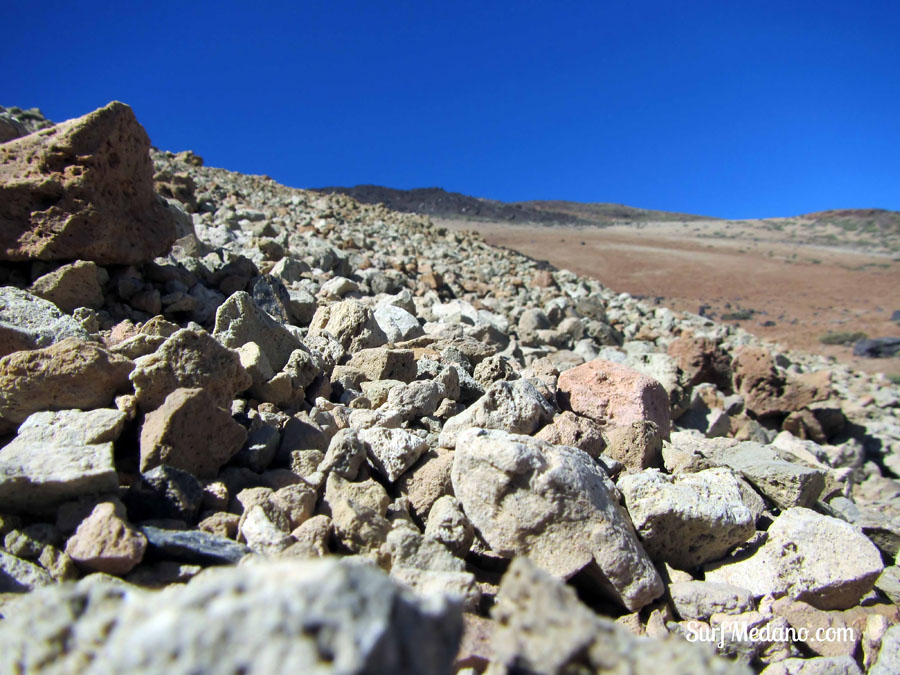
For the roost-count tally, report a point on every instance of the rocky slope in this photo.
(321, 436)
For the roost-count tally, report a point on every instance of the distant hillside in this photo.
(439, 203)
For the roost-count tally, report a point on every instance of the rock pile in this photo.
(200, 368)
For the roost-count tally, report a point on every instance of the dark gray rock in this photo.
(877, 348)
(165, 492)
(194, 546)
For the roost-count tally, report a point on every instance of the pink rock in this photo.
(106, 542)
(613, 395)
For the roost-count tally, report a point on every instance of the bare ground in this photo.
(804, 289)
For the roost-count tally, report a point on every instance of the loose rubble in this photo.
(249, 428)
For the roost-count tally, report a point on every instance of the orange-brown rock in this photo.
(767, 392)
(701, 360)
(83, 190)
(106, 542)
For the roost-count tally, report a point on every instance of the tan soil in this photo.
(805, 290)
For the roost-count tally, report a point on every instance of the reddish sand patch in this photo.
(806, 291)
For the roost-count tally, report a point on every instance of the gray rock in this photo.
(416, 399)
(699, 600)
(516, 407)
(322, 616)
(19, 576)
(542, 627)
(396, 323)
(888, 662)
(805, 557)
(351, 323)
(194, 546)
(239, 320)
(555, 505)
(818, 665)
(392, 451)
(449, 525)
(29, 322)
(687, 519)
(346, 453)
(164, 492)
(57, 457)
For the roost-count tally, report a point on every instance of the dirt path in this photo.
(804, 291)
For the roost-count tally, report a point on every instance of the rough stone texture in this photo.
(688, 519)
(189, 359)
(392, 451)
(767, 392)
(701, 360)
(785, 483)
(59, 456)
(188, 431)
(239, 321)
(83, 190)
(322, 616)
(449, 525)
(68, 374)
(71, 286)
(396, 323)
(351, 323)
(346, 453)
(385, 364)
(699, 600)
(805, 557)
(542, 627)
(575, 431)
(106, 542)
(819, 665)
(516, 407)
(888, 661)
(18, 576)
(637, 445)
(427, 480)
(613, 395)
(553, 504)
(30, 322)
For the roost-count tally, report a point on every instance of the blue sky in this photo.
(732, 108)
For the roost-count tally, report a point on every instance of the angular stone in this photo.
(381, 363)
(818, 665)
(19, 576)
(165, 492)
(613, 395)
(71, 286)
(239, 321)
(346, 453)
(50, 462)
(172, 435)
(699, 600)
(785, 483)
(83, 190)
(687, 519)
(555, 505)
(316, 616)
(194, 546)
(350, 322)
(397, 324)
(68, 374)
(449, 525)
(767, 392)
(427, 480)
(637, 445)
(106, 542)
(516, 407)
(701, 360)
(392, 451)
(575, 431)
(805, 557)
(416, 399)
(189, 359)
(888, 662)
(30, 322)
(542, 627)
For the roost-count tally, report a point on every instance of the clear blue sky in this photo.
(733, 108)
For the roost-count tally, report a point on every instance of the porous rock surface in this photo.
(301, 376)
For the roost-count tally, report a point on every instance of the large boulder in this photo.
(555, 505)
(324, 616)
(83, 190)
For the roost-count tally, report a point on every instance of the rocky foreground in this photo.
(253, 429)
